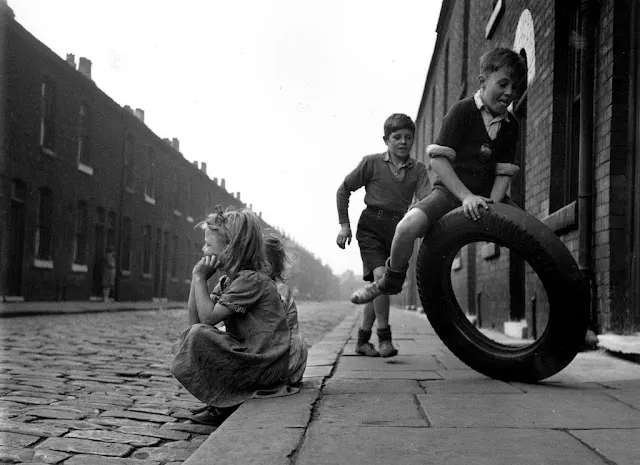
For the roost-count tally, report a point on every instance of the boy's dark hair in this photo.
(500, 57)
(396, 122)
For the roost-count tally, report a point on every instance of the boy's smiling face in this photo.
(399, 143)
(498, 90)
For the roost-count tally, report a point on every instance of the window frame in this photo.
(47, 136)
(43, 234)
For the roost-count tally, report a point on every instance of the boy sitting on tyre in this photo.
(473, 159)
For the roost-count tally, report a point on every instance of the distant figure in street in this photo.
(298, 351)
(108, 274)
(473, 158)
(391, 180)
(251, 357)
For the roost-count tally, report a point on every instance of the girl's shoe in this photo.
(212, 416)
(200, 409)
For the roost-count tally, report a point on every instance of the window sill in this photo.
(147, 276)
(189, 219)
(490, 251)
(78, 268)
(43, 264)
(149, 200)
(129, 190)
(85, 169)
(174, 280)
(177, 213)
(125, 273)
(562, 220)
(187, 281)
(48, 152)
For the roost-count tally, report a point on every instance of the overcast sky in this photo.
(280, 98)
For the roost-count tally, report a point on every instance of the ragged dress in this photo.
(225, 368)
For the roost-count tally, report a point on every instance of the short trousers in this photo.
(374, 235)
(438, 203)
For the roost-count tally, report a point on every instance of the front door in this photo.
(16, 239)
(98, 253)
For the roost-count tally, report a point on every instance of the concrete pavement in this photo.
(425, 406)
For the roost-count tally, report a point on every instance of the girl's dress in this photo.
(298, 350)
(225, 368)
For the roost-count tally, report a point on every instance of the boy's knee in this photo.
(413, 225)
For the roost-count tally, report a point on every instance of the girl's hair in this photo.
(501, 57)
(243, 238)
(277, 257)
(396, 122)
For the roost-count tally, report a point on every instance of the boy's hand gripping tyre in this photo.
(567, 292)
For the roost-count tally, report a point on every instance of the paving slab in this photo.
(585, 409)
(288, 412)
(387, 374)
(400, 362)
(471, 386)
(621, 446)
(249, 446)
(333, 444)
(96, 460)
(85, 446)
(370, 410)
(371, 386)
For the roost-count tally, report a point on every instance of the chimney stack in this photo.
(222, 184)
(238, 195)
(71, 60)
(84, 66)
(215, 180)
(139, 112)
(195, 163)
(203, 167)
(166, 140)
(128, 108)
(175, 143)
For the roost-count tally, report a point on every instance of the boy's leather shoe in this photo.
(387, 349)
(384, 343)
(366, 294)
(390, 283)
(367, 349)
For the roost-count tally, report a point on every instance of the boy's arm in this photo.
(352, 182)
(499, 189)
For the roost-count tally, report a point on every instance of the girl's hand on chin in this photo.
(206, 266)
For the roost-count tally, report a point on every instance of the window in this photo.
(128, 161)
(84, 135)
(564, 182)
(44, 226)
(80, 239)
(146, 250)
(47, 115)
(111, 230)
(174, 259)
(150, 188)
(125, 250)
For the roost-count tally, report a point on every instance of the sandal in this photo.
(212, 416)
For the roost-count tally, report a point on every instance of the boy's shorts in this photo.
(439, 202)
(374, 235)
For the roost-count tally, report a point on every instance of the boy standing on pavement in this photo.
(473, 158)
(391, 180)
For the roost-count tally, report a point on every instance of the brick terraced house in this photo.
(578, 151)
(79, 173)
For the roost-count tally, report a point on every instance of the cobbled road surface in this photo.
(95, 389)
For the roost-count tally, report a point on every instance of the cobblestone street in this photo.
(95, 389)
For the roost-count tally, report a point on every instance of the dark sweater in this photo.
(464, 131)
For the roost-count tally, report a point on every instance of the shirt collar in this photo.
(407, 164)
(481, 106)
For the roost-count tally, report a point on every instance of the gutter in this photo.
(585, 161)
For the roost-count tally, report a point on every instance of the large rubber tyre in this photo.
(567, 292)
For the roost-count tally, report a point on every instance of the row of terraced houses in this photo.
(80, 174)
(578, 150)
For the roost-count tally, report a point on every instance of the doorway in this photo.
(16, 238)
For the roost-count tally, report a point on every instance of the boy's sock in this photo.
(384, 342)
(363, 346)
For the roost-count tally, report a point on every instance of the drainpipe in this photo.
(585, 163)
